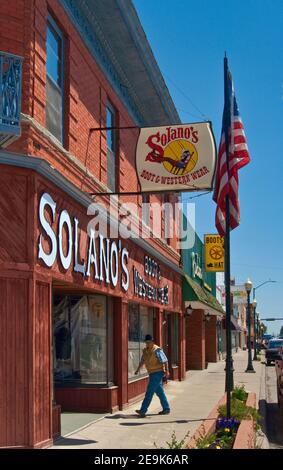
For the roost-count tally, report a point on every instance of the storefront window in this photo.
(140, 324)
(82, 335)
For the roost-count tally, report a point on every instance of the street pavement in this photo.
(191, 401)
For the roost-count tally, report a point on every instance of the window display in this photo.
(140, 324)
(82, 335)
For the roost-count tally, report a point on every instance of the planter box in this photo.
(245, 437)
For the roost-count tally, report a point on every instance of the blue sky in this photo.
(188, 39)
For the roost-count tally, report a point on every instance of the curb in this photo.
(263, 442)
(246, 434)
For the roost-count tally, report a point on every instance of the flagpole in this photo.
(229, 385)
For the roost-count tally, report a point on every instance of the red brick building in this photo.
(74, 307)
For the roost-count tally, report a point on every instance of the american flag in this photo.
(227, 183)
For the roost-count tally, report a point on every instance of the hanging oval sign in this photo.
(176, 158)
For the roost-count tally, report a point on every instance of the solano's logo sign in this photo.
(176, 158)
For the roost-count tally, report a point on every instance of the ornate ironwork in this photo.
(10, 96)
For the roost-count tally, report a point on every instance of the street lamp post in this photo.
(255, 332)
(248, 286)
(261, 330)
(258, 332)
(257, 287)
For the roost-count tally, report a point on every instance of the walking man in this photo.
(156, 364)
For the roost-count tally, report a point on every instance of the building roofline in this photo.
(130, 15)
(137, 81)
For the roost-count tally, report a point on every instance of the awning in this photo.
(234, 325)
(194, 293)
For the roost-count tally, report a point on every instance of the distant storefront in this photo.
(203, 311)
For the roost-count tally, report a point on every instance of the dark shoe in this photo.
(164, 412)
(140, 413)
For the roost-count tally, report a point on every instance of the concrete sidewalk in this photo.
(191, 401)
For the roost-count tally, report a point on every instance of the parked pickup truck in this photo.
(279, 374)
(273, 350)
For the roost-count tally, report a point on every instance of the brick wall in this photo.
(211, 340)
(195, 340)
(23, 32)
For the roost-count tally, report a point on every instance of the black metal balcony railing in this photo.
(10, 97)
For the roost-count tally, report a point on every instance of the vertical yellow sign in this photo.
(214, 253)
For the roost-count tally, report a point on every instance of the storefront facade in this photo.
(77, 298)
(76, 308)
(203, 311)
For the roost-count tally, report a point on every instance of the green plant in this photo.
(226, 429)
(174, 443)
(240, 393)
(204, 442)
(223, 438)
(240, 411)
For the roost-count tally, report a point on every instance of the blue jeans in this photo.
(155, 386)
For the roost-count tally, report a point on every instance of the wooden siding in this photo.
(174, 373)
(87, 399)
(13, 217)
(56, 421)
(136, 389)
(42, 363)
(121, 343)
(14, 362)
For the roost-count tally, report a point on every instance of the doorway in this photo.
(170, 341)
